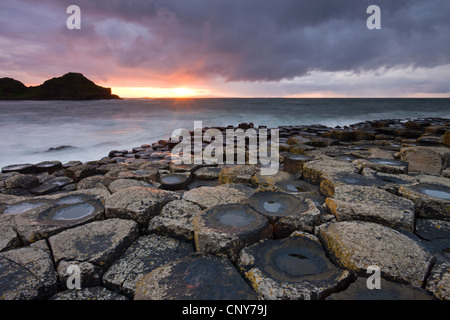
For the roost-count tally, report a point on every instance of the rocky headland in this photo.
(138, 226)
(71, 86)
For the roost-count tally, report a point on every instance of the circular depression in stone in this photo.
(296, 186)
(175, 181)
(238, 218)
(294, 156)
(354, 179)
(291, 259)
(171, 179)
(234, 216)
(70, 200)
(72, 209)
(274, 204)
(75, 212)
(433, 190)
(21, 207)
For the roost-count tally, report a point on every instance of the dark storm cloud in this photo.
(256, 40)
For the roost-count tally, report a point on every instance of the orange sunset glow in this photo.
(154, 92)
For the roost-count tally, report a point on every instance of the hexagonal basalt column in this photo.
(388, 291)
(138, 203)
(372, 204)
(356, 245)
(176, 181)
(42, 218)
(292, 268)
(287, 213)
(195, 277)
(383, 165)
(331, 181)
(226, 229)
(432, 200)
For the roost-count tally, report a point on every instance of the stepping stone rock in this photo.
(383, 165)
(428, 160)
(315, 171)
(143, 256)
(79, 172)
(138, 203)
(175, 181)
(226, 229)
(175, 220)
(388, 291)
(195, 277)
(93, 293)
(292, 268)
(148, 175)
(120, 184)
(99, 243)
(48, 166)
(332, 181)
(24, 181)
(92, 182)
(293, 163)
(20, 168)
(206, 197)
(438, 282)
(27, 274)
(49, 216)
(237, 174)
(287, 213)
(207, 173)
(271, 180)
(432, 200)
(373, 205)
(389, 182)
(357, 245)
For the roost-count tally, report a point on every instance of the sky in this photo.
(233, 48)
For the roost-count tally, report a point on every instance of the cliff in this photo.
(71, 86)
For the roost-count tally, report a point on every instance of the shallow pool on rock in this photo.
(235, 218)
(295, 261)
(387, 162)
(22, 207)
(69, 200)
(436, 193)
(74, 212)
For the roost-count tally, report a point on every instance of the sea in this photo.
(35, 131)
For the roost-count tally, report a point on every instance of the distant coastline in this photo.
(71, 86)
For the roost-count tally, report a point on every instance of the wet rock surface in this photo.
(388, 291)
(43, 217)
(144, 255)
(27, 274)
(227, 229)
(196, 277)
(375, 192)
(99, 242)
(287, 213)
(292, 268)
